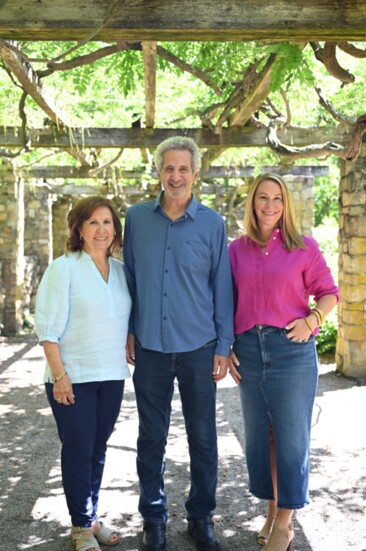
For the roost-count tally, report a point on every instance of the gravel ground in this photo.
(32, 506)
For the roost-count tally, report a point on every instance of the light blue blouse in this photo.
(86, 316)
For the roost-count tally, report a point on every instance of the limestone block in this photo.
(355, 333)
(353, 265)
(354, 317)
(357, 245)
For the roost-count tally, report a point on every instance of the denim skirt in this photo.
(277, 389)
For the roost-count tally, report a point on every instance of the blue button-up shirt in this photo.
(179, 277)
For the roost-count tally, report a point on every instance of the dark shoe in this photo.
(153, 537)
(202, 531)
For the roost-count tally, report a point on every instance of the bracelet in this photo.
(59, 377)
(309, 325)
(317, 317)
(319, 314)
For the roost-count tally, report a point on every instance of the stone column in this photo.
(37, 240)
(302, 188)
(351, 342)
(12, 252)
(60, 210)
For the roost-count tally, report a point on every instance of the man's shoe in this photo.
(153, 537)
(202, 531)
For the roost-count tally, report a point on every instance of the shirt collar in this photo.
(191, 210)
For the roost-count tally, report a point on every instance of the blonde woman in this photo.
(274, 362)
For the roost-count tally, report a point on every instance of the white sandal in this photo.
(83, 538)
(104, 534)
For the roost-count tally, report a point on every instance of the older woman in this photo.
(82, 313)
(275, 272)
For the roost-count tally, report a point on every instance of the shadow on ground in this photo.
(33, 511)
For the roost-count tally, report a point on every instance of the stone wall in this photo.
(37, 241)
(11, 253)
(351, 342)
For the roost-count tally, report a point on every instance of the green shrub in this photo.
(326, 340)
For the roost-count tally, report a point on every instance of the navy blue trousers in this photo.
(84, 429)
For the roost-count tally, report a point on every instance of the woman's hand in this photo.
(130, 349)
(299, 330)
(62, 391)
(234, 363)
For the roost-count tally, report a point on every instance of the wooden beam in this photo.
(117, 174)
(259, 91)
(246, 136)
(30, 82)
(189, 20)
(149, 58)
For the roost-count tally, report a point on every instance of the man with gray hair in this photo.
(181, 327)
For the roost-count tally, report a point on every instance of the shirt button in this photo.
(165, 294)
(166, 271)
(275, 238)
(164, 318)
(266, 253)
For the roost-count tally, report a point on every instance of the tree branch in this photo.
(351, 49)
(328, 107)
(348, 153)
(165, 54)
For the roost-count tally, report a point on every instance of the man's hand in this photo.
(220, 367)
(130, 349)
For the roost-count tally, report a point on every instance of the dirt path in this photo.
(32, 507)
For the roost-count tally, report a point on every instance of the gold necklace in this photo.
(104, 273)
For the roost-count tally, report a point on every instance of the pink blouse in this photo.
(273, 287)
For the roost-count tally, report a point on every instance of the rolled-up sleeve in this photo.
(318, 278)
(52, 302)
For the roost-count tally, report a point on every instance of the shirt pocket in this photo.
(194, 255)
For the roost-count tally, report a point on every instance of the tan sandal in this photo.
(263, 535)
(104, 534)
(83, 539)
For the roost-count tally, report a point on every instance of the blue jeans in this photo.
(278, 385)
(153, 378)
(84, 429)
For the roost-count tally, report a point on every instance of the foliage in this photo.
(110, 92)
(326, 197)
(289, 67)
(327, 337)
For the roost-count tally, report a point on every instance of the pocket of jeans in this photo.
(285, 333)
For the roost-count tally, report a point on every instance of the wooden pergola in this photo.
(139, 25)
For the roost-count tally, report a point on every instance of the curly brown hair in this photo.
(83, 210)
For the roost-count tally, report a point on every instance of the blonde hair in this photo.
(287, 223)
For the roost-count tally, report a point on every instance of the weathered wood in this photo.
(183, 20)
(259, 91)
(149, 58)
(114, 173)
(31, 84)
(246, 136)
